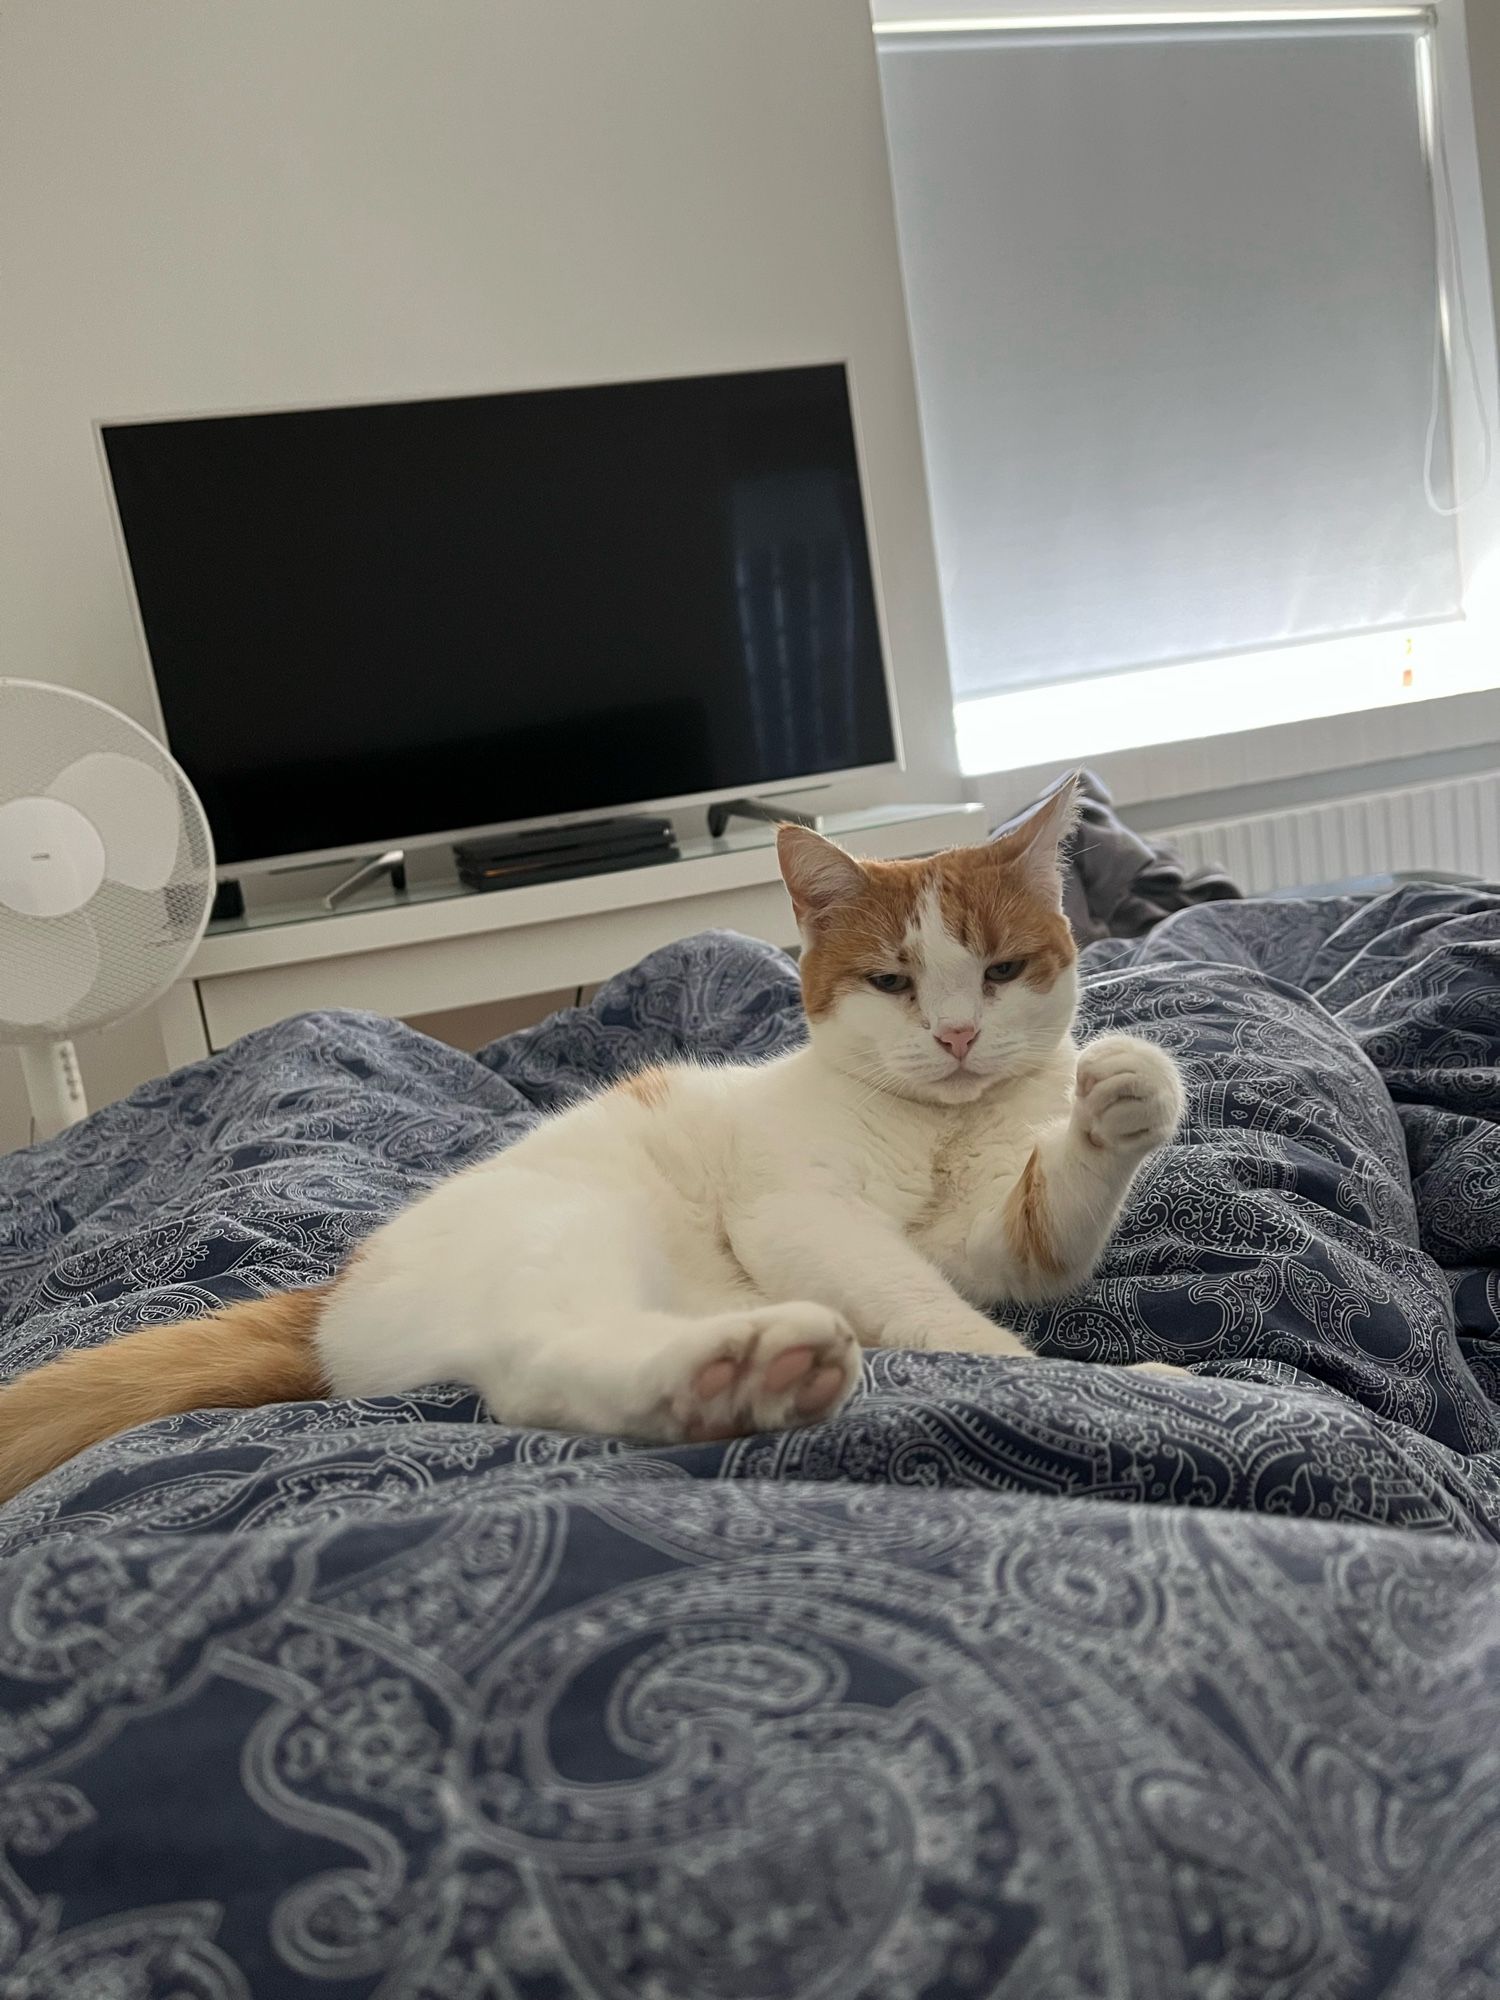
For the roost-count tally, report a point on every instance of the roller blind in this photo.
(1175, 308)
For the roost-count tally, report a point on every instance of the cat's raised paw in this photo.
(1128, 1096)
(767, 1370)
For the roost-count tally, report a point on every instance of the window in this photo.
(1185, 330)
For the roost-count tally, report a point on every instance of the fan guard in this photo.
(106, 866)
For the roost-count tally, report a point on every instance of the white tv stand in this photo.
(436, 945)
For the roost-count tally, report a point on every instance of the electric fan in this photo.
(106, 881)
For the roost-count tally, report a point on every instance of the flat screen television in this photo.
(403, 622)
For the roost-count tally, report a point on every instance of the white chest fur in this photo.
(932, 1170)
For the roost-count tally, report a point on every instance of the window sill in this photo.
(1204, 698)
(1301, 713)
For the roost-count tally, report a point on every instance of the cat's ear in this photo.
(1033, 847)
(817, 874)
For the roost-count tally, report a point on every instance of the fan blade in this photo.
(51, 858)
(47, 966)
(135, 811)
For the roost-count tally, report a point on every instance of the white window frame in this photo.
(1299, 709)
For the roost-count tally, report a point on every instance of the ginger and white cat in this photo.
(700, 1251)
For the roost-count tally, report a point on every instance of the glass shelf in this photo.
(295, 895)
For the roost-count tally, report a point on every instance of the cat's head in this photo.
(937, 979)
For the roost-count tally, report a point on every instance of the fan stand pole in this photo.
(54, 1086)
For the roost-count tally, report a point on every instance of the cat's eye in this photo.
(1004, 969)
(889, 982)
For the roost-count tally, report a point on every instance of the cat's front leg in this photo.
(1127, 1100)
(1052, 1226)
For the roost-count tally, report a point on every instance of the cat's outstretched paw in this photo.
(767, 1370)
(1128, 1098)
(1158, 1368)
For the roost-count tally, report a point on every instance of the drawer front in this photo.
(498, 965)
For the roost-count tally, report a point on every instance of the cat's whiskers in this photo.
(879, 1081)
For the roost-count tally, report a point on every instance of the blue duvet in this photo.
(1043, 1682)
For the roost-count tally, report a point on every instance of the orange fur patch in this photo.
(648, 1086)
(985, 901)
(999, 917)
(1028, 1225)
(258, 1352)
(860, 933)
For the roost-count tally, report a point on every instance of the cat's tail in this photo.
(260, 1352)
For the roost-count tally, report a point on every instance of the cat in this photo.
(700, 1251)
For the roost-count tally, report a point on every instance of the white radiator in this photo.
(1452, 826)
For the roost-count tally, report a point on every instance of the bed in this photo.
(1043, 1681)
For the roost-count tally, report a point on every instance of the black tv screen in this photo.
(376, 624)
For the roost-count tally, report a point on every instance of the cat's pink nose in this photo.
(957, 1041)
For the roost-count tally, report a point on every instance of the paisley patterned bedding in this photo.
(1036, 1681)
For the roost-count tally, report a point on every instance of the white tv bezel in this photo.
(792, 783)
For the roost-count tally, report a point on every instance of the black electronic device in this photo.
(552, 854)
(632, 830)
(562, 868)
(382, 625)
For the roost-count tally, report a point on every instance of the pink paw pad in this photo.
(714, 1380)
(770, 1379)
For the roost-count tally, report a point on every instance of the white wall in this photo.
(252, 202)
